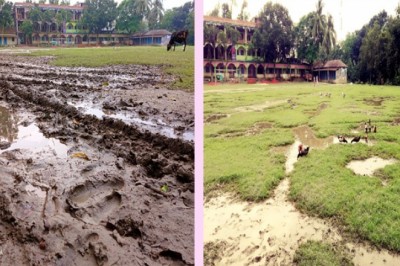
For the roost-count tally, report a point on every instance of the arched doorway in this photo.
(252, 71)
(232, 70)
(208, 51)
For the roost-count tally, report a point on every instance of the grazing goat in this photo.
(303, 152)
(356, 139)
(178, 37)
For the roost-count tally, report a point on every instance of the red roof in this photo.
(235, 22)
(49, 6)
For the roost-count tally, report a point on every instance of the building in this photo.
(153, 37)
(333, 71)
(239, 62)
(8, 37)
(64, 33)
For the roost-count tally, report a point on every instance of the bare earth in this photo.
(96, 166)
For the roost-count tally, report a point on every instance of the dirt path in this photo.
(269, 233)
(82, 189)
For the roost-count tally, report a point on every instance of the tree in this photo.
(129, 19)
(62, 17)
(210, 36)
(307, 49)
(215, 11)
(274, 37)
(156, 14)
(329, 40)
(65, 2)
(222, 43)
(319, 23)
(143, 7)
(6, 15)
(226, 12)
(27, 30)
(99, 15)
(243, 15)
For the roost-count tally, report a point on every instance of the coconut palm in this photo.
(143, 7)
(319, 23)
(329, 35)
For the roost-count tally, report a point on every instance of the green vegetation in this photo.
(244, 157)
(313, 253)
(178, 63)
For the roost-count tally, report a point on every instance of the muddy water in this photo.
(63, 210)
(154, 126)
(269, 233)
(369, 166)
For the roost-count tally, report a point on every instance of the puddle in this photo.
(30, 138)
(270, 232)
(127, 117)
(260, 107)
(369, 166)
(8, 125)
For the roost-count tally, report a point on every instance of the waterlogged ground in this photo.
(96, 166)
(270, 232)
(252, 134)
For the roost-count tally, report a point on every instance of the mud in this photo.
(260, 107)
(369, 166)
(129, 200)
(270, 232)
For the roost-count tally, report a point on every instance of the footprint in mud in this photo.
(93, 202)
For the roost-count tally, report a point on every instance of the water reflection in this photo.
(8, 125)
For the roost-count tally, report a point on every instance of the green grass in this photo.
(313, 253)
(321, 184)
(177, 63)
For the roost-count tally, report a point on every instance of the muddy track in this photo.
(129, 201)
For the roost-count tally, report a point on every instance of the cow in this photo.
(178, 37)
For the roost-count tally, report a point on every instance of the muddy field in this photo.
(96, 166)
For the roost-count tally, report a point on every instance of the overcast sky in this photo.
(168, 4)
(348, 15)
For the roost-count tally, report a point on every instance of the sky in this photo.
(348, 15)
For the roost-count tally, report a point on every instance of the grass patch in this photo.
(315, 253)
(320, 183)
(178, 63)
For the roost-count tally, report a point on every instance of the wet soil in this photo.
(129, 200)
(369, 166)
(269, 233)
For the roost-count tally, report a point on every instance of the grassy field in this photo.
(244, 157)
(313, 253)
(177, 63)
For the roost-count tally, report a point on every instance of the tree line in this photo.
(129, 17)
(372, 53)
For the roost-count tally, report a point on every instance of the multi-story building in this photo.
(240, 62)
(61, 33)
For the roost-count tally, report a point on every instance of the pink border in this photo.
(198, 224)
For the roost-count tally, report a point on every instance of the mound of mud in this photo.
(129, 200)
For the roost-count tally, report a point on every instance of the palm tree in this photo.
(329, 35)
(319, 23)
(156, 13)
(143, 7)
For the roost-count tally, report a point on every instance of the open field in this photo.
(176, 63)
(95, 163)
(251, 138)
